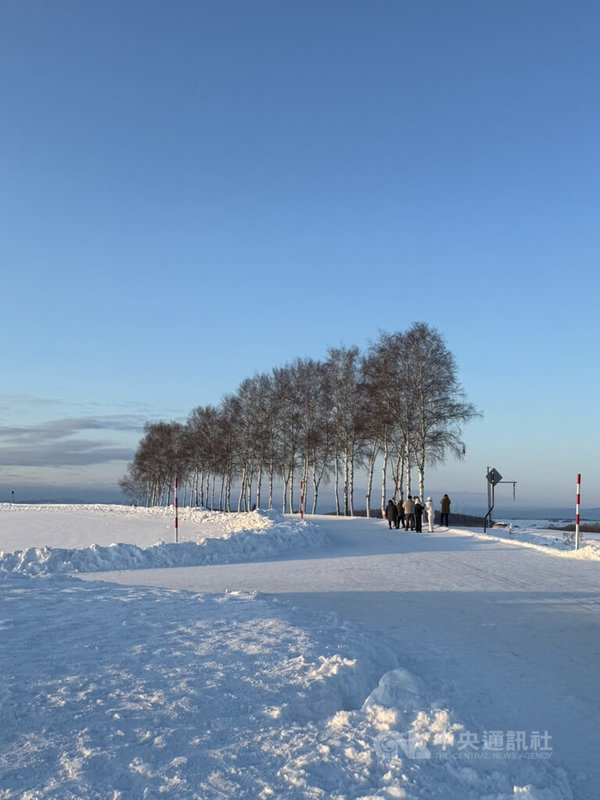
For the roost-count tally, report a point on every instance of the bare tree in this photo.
(345, 390)
(253, 424)
(133, 485)
(288, 428)
(377, 415)
(436, 400)
(321, 446)
(263, 415)
(313, 441)
(161, 456)
(386, 384)
(202, 432)
(401, 401)
(229, 462)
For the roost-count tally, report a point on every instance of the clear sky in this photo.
(194, 191)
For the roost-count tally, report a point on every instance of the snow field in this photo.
(119, 692)
(122, 692)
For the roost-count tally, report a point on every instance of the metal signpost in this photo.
(493, 477)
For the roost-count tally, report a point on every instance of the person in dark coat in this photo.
(391, 514)
(418, 515)
(445, 509)
(400, 508)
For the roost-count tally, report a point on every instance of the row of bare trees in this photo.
(310, 423)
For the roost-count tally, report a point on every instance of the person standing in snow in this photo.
(400, 507)
(445, 506)
(430, 514)
(409, 513)
(391, 514)
(418, 515)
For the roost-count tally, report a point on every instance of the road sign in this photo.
(494, 476)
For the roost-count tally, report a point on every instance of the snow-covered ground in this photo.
(65, 538)
(547, 534)
(323, 658)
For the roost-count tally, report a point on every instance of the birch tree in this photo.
(344, 378)
(289, 429)
(436, 399)
(203, 432)
(377, 388)
(387, 388)
(401, 401)
(160, 457)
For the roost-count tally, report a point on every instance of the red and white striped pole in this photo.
(176, 504)
(577, 504)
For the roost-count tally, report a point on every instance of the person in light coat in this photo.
(430, 514)
(409, 513)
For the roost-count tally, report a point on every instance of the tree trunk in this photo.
(370, 473)
(212, 494)
(352, 486)
(397, 475)
(421, 473)
(337, 486)
(196, 485)
(228, 488)
(249, 490)
(403, 493)
(346, 485)
(258, 486)
(242, 489)
(284, 495)
(384, 477)
(271, 473)
(291, 490)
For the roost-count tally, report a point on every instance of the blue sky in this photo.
(193, 192)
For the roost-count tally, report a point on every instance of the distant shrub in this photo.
(591, 527)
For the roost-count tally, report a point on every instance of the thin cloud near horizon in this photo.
(58, 442)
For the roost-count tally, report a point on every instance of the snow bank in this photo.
(550, 540)
(212, 538)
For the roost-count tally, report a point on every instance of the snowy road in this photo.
(506, 635)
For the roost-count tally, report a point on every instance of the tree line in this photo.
(311, 423)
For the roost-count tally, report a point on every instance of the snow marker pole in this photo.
(302, 486)
(577, 504)
(176, 504)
